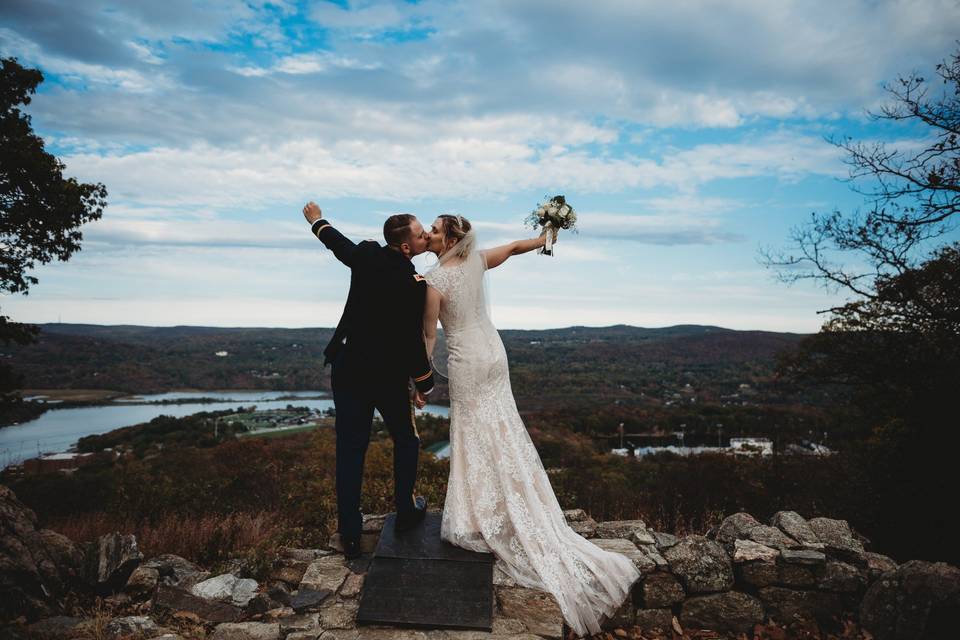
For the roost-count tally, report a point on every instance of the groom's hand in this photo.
(419, 399)
(312, 212)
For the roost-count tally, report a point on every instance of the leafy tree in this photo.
(899, 351)
(896, 344)
(40, 210)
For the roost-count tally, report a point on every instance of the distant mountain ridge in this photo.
(617, 330)
(620, 362)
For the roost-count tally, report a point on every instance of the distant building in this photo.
(761, 446)
(57, 462)
(738, 446)
(680, 451)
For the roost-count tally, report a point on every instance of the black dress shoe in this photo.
(351, 548)
(407, 521)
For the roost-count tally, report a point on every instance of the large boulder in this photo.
(643, 562)
(790, 606)
(794, 525)
(732, 612)
(878, 564)
(651, 551)
(175, 571)
(838, 538)
(750, 551)
(772, 537)
(767, 574)
(289, 570)
(142, 582)
(37, 566)
(621, 529)
(537, 610)
(806, 557)
(112, 559)
(661, 590)
(664, 540)
(175, 599)
(735, 527)
(581, 522)
(917, 600)
(575, 515)
(325, 574)
(701, 564)
(227, 588)
(842, 577)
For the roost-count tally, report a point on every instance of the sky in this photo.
(689, 136)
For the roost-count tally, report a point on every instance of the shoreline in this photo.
(32, 407)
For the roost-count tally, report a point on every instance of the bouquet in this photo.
(552, 215)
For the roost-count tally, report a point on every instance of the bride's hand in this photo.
(543, 235)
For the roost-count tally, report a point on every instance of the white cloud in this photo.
(307, 63)
(127, 80)
(121, 229)
(197, 117)
(672, 226)
(260, 175)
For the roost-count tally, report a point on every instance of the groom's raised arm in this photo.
(343, 247)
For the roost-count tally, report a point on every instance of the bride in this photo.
(499, 497)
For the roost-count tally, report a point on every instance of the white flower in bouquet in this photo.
(553, 215)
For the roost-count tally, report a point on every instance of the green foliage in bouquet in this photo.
(556, 211)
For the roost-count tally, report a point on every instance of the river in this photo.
(57, 430)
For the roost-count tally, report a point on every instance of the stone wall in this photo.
(801, 574)
(796, 573)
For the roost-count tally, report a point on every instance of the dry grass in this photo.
(205, 539)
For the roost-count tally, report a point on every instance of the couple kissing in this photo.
(499, 499)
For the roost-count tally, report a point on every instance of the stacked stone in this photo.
(791, 571)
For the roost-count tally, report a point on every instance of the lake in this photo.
(58, 430)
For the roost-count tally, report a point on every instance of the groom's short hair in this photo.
(396, 230)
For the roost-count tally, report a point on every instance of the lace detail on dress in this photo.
(499, 496)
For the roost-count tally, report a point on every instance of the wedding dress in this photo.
(499, 497)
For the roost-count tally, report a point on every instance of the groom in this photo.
(375, 351)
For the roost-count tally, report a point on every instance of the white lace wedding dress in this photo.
(499, 497)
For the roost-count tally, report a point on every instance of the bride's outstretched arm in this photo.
(431, 313)
(498, 255)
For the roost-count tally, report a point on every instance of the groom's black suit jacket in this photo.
(381, 329)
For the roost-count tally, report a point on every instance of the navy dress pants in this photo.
(355, 396)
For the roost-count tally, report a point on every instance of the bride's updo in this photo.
(458, 237)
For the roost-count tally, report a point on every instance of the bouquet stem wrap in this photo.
(547, 248)
(551, 216)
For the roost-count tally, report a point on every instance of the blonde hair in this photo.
(457, 235)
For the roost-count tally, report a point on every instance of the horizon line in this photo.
(576, 326)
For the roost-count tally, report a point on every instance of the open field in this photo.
(281, 432)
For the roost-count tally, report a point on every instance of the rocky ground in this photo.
(790, 578)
